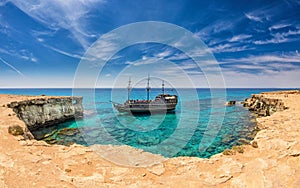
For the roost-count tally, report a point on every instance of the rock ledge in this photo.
(43, 112)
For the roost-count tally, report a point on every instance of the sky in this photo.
(254, 44)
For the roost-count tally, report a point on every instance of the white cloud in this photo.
(217, 44)
(28, 56)
(34, 59)
(273, 67)
(278, 26)
(289, 58)
(253, 17)
(104, 48)
(265, 66)
(175, 71)
(280, 37)
(222, 26)
(178, 57)
(281, 66)
(5, 26)
(251, 66)
(264, 14)
(4, 51)
(153, 60)
(56, 14)
(239, 38)
(216, 27)
(12, 67)
(164, 54)
(229, 48)
(76, 56)
(267, 79)
(271, 41)
(40, 35)
(144, 61)
(22, 54)
(220, 48)
(40, 39)
(291, 32)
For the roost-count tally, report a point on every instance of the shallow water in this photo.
(201, 126)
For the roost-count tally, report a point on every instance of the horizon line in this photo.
(151, 88)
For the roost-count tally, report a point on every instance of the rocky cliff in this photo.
(47, 111)
(263, 106)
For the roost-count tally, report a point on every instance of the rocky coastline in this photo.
(272, 160)
(47, 111)
(263, 106)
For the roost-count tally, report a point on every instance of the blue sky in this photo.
(255, 43)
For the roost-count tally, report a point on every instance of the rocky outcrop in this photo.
(263, 106)
(47, 111)
(230, 103)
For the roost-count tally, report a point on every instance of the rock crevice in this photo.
(44, 112)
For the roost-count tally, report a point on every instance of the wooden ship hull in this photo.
(146, 107)
(162, 103)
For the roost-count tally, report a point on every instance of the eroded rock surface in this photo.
(47, 111)
(263, 106)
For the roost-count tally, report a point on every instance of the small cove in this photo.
(160, 134)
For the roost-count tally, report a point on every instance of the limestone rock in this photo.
(239, 149)
(158, 169)
(228, 152)
(234, 150)
(263, 106)
(43, 112)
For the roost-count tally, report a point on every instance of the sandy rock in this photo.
(158, 169)
(230, 166)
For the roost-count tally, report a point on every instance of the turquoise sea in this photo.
(201, 126)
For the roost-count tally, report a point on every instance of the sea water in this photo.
(201, 125)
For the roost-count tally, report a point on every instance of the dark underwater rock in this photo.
(68, 131)
(230, 103)
(243, 141)
(228, 138)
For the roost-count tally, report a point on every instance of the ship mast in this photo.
(129, 88)
(163, 87)
(148, 88)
